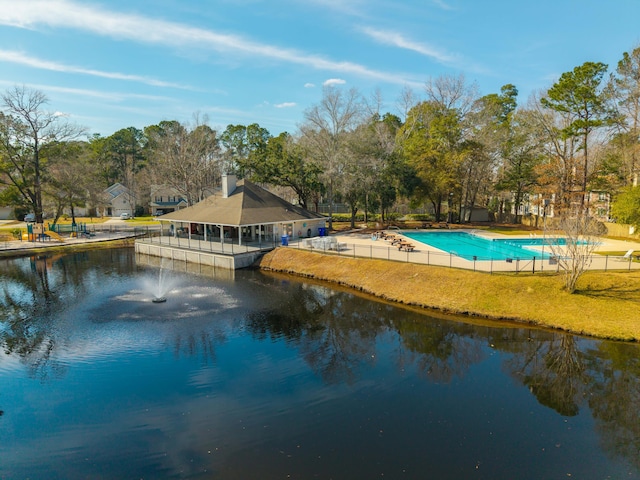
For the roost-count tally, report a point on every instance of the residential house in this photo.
(598, 202)
(165, 200)
(118, 199)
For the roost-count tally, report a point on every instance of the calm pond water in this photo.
(269, 377)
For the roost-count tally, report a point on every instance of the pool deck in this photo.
(607, 245)
(361, 244)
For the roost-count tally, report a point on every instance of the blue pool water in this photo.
(468, 246)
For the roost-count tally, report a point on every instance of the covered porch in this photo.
(226, 236)
(240, 219)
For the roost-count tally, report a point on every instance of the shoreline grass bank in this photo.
(69, 247)
(606, 305)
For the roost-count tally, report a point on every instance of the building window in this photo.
(602, 196)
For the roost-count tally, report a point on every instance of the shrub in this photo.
(419, 217)
(346, 217)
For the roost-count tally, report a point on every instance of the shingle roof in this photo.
(168, 204)
(248, 204)
(116, 190)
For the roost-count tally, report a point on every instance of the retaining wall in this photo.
(216, 260)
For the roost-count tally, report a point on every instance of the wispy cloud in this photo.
(114, 96)
(333, 81)
(309, 85)
(443, 5)
(99, 21)
(22, 59)
(285, 105)
(398, 40)
(354, 8)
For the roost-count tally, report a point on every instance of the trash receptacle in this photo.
(285, 240)
(322, 231)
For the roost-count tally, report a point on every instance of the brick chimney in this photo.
(228, 185)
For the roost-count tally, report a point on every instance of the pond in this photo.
(256, 376)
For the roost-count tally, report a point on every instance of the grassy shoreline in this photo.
(70, 247)
(606, 305)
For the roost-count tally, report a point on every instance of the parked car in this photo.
(125, 216)
(30, 217)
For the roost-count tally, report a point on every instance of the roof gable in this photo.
(116, 190)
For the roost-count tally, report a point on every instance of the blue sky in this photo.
(112, 64)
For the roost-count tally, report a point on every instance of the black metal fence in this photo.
(530, 264)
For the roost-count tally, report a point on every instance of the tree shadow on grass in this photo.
(619, 292)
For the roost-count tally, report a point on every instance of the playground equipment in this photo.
(54, 235)
(37, 231)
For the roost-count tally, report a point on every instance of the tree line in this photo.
(446, 146)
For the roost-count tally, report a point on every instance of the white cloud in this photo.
(333, 81)
(398, 40)
(22, 59)
(99, 21)
(309, 85)
(285, 105)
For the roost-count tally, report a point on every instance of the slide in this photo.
(54, 235)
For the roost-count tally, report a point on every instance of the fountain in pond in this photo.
(162, 286)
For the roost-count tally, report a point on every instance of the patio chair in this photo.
(627, 256)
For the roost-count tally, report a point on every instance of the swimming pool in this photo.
(468, 246)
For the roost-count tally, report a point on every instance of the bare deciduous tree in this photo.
(325, 132)
(574, 253)
(186, 157)
(26, 130)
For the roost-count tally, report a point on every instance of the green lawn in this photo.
(144, 220)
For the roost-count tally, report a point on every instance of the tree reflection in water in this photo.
(440, 352)
(553, 368)
(334, 334)
(34, 294)
(614, 398)
(27, 301)
(337, 332)
(337, 335)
